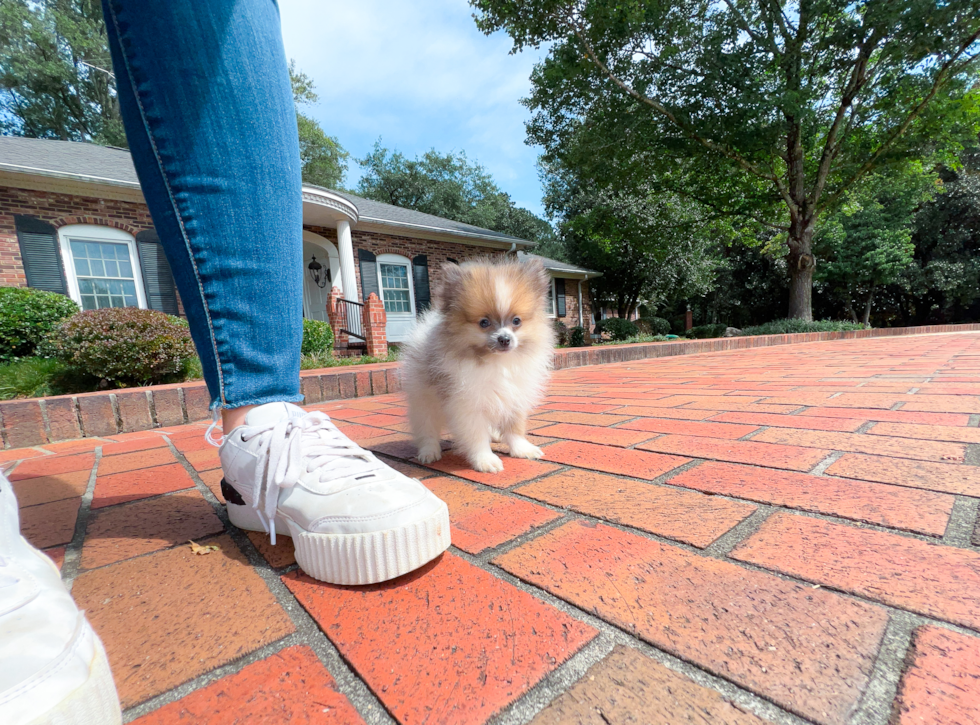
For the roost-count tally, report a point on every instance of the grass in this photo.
(38, 377)
(327, 360)
(785, 327)
(636, 338)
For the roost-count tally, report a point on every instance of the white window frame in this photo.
(95, 233)
(404, 262)
(553, 312)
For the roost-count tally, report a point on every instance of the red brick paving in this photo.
(940, 581)
(942, 684)
(680, 515)
(448, 644)
(290, 686)
(753, 628)
(794, 613)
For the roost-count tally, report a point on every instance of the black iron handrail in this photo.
(353, 324)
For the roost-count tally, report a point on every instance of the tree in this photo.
(867, 242)
(323, 159)
(769, 110)
(56, 76)
(647, 246)
(447, 185)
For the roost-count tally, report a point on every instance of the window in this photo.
(102, 267)
(550, 305)
(394, 274)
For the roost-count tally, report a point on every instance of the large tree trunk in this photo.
(867, 306)
(801, 264)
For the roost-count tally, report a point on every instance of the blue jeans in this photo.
(207, 104)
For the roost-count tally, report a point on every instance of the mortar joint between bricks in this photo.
(78, 416)
(151, 405)
(44, 417)
(183, 405)
(114, 403)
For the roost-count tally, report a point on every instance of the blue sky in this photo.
(419, 75)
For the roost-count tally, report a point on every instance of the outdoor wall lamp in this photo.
(320, 278)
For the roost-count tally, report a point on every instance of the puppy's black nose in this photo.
(504, 340)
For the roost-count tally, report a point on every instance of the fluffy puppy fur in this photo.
(478, 362)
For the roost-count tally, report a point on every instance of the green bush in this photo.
(705, 331)
(317, 337)
(618, 328)
(786, 327)
(653, 325)
(561, 333)
(26, 317)
(576, 336)
(124, 346)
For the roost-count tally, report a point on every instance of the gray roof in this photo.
(553, 265)
(110, 165)
(46, 157)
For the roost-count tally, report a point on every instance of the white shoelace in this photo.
(295, 446)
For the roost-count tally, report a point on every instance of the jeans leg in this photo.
(205, 97)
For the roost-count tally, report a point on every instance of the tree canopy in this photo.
(323, 159)
(764, 110)
(449, 185)
(56, 77)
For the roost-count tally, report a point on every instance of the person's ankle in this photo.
(231, 418)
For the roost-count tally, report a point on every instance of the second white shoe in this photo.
(353, 520)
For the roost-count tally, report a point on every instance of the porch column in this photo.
(346, 248)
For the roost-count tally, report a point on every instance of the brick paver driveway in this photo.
(772, 535)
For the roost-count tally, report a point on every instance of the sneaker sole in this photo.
(357, 559)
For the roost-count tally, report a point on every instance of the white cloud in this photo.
(419, 75)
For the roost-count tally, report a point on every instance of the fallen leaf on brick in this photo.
(203, 550)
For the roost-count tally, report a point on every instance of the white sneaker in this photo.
(53, 669)
(353, 519)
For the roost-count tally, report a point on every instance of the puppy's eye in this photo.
(484, 323)
(516, 322)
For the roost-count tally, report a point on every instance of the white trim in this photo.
(553, 312)
(33, 171)
(404, 262)
(95, 233)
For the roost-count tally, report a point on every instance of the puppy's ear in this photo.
(450, 288)
(537, 276)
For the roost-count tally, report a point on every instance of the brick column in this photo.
(688, 320)
(337, 314)
(375, 320)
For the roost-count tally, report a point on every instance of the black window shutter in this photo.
(420, 274)
(41, 253)
(560, 296)
(369, 274)
(158, 280)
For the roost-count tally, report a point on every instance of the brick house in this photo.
(73, 220)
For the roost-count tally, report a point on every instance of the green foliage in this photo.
(323, 159)
(124, 346)
(561, 333)
(867, 242)
(702, 332)
(758, 110)
(26, 316)
(55, 72)
(792, 326)
(28, 378)
(317, 338)
(617, 328)
(576, 336)
(450, 186)
(314, 362)
(653, 325)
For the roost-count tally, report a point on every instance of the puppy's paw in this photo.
(429, 453)
(523, 448)
(488, 462)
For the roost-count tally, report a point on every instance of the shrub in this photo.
(317, 337)
(704, 331)
(124, 345)
(618, 328)
(786, 327)
(576, 336)
(561, 333)
(653, 325)
(26, 317)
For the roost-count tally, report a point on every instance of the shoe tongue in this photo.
(272, 413)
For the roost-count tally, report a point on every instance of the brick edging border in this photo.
(36, 421)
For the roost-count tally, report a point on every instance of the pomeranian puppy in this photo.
(478, 361)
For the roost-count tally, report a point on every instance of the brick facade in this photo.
(58, 210)
(571, 317)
